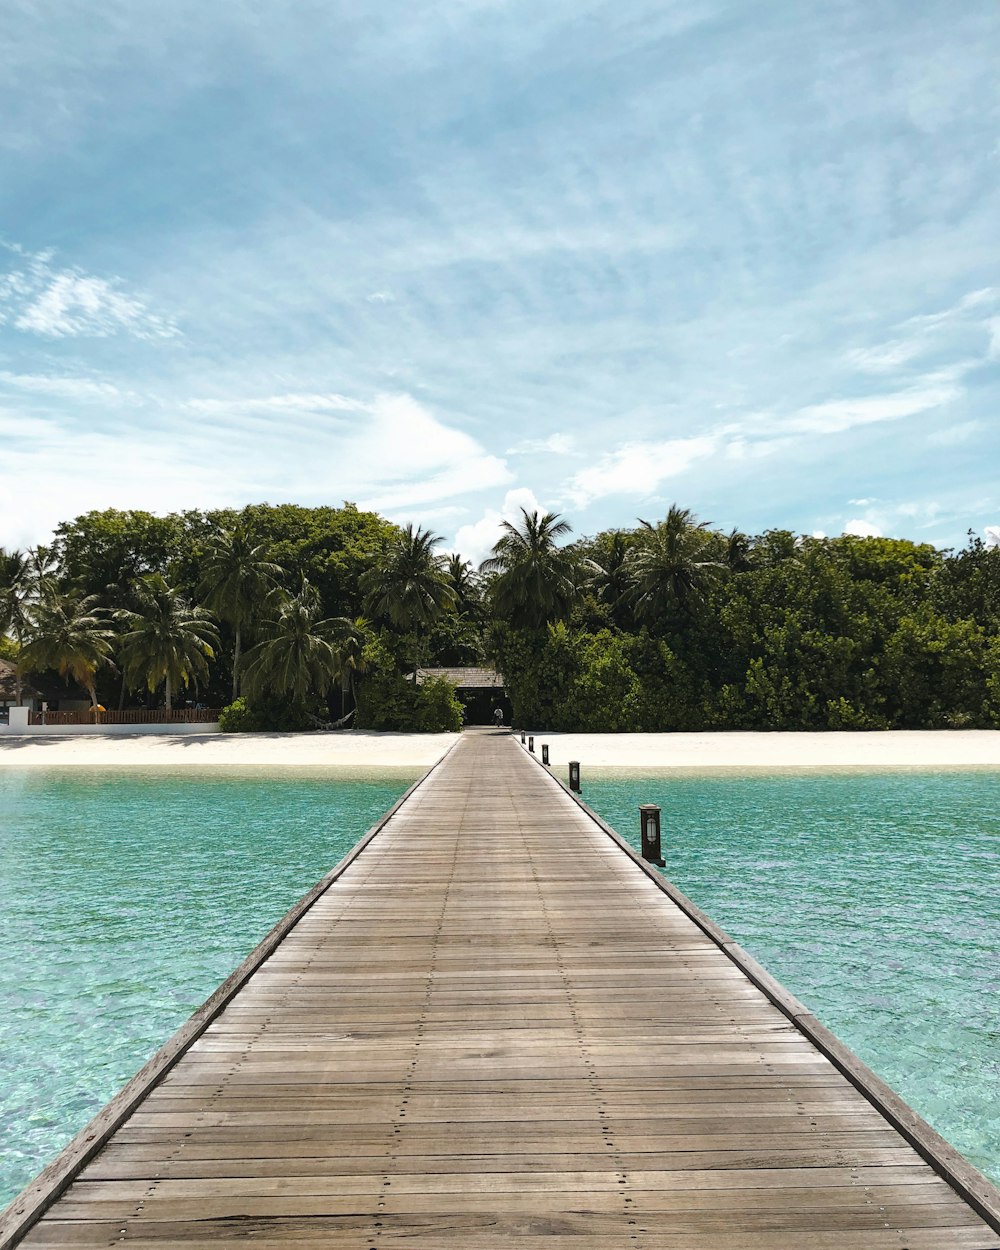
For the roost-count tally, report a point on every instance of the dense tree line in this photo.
(296, 617)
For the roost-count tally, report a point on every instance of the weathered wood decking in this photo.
(495, 1028)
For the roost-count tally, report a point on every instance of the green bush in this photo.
(270, 715)
(239, 718)
(438, 708)
(389, 701)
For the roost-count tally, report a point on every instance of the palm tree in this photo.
(71, 635)
(349, 650)
(739, 552)
(534, 580)
(166, 641)
(671, 565)
(409, 585)
(298, 654)
(609, 570)
(18, 588)
(236, 578)
(462, 577)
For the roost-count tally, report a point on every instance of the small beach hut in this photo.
(480, 690)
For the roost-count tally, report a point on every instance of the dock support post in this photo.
(574, 775)
(545, 753)
(649, 818)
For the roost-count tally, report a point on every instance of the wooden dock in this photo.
(494, 1026)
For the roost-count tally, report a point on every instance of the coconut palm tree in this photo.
(462, 577)
(739, 552)
(70, 634)
(671, 565)
(409, 586)
(236, 579)
(18, 588)
(533, 579)
(298, 654)
(609, 570)
(349, 649)
(166, 641)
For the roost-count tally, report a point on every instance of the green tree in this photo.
(166, 641)
(298, 654)
(349, 650)
(101, 553)
(70, 634)
(237, 578)
(408, 586)
(673, 564)
(532, 579)
(609, 560)
(18, 587)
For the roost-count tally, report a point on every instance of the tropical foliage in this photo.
(71, 635)
(166, 642)
(323, 615)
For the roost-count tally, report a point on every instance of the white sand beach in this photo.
(367, 749)
(925, 748)
(350, 750)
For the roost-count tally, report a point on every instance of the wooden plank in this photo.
(479, 1036)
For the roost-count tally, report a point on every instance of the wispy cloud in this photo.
(38, 298)
(638, 469)
(758, 279)
(555, 444)
(84, 389)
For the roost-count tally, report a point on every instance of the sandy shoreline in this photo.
(352, 750)
(924, 748)
(359, 749)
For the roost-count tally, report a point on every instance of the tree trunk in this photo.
(17, 686)
(169, 704)
(92, 691)
(416, 657)
(236, 666)
(121, 692)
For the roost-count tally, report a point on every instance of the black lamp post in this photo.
(649, 817)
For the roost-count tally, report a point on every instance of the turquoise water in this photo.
(873, 896)
(125, 899)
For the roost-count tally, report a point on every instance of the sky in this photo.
(451, 258)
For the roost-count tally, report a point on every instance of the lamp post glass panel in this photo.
(649, 817)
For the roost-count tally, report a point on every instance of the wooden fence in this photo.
(130, 716)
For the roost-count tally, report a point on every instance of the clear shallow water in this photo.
(125, 899)
(873, 896)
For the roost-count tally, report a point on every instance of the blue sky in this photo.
(450, 258)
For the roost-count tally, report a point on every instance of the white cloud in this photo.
(954, 435)
(638, 468)
(838, 415)
(961, 323)
(475, 541)
(992, 533)
(862, 529)
(410, 457)
(885, 358)
(56, 303)
(555, 444)
(61, 388)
